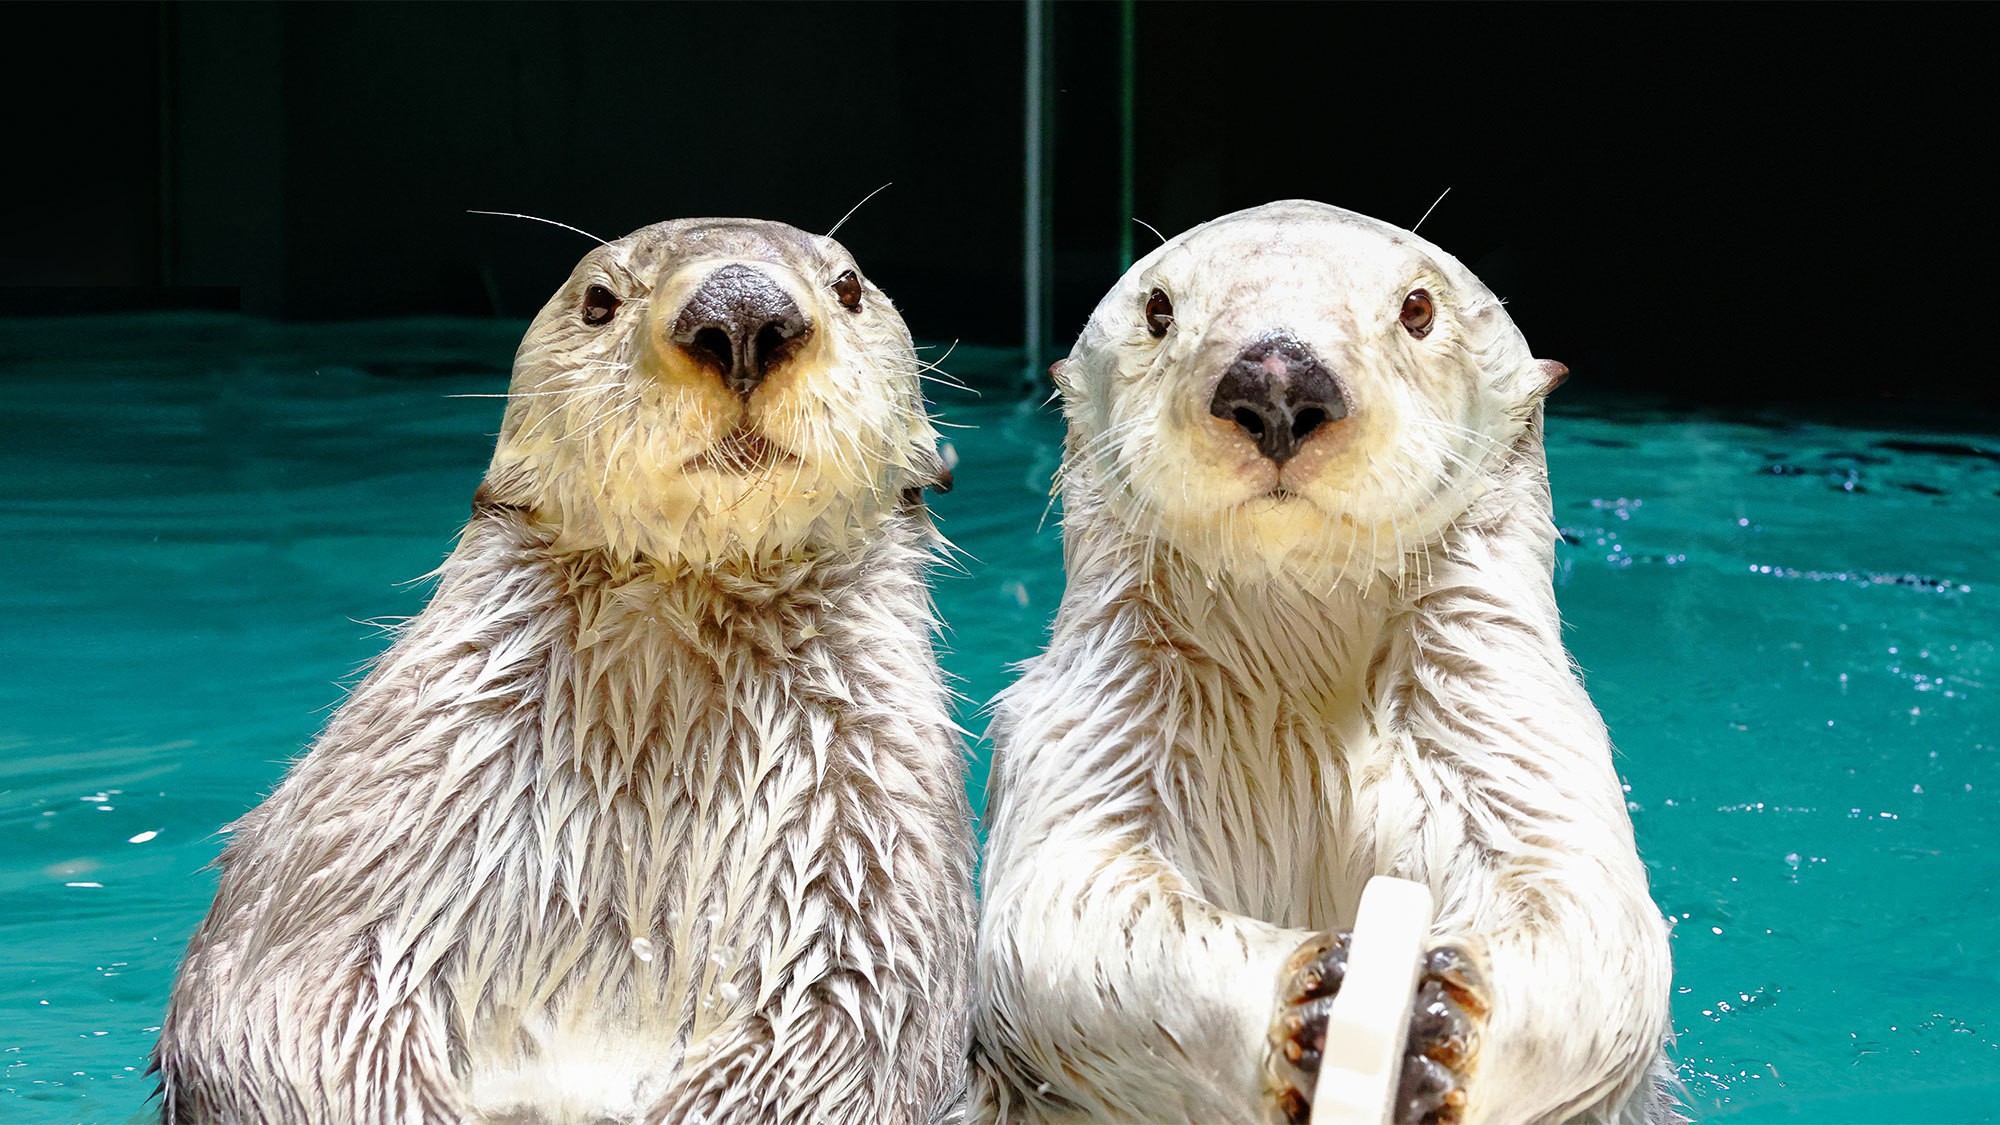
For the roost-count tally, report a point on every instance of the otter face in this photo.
(1296, 389)
(714, 388)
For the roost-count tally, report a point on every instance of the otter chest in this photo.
(656, 866)
(1266, 813)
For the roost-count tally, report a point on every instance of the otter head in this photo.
(713, 389)
(1296, 389)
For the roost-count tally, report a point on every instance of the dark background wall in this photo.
(1736, 203)
(318, 161)
(1721, 204)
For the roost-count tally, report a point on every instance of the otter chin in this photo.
(656, 812)
(1309, 637)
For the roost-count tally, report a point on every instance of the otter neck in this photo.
(1270, 632)
(643, 653)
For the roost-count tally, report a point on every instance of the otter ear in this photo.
(932, 471)
(1554, 374)
(1060, 372)
(502, 491)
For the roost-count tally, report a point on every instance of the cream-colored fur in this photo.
(1254, 700)
(656, 812)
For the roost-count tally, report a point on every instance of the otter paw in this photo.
(1312, 975)
(1444, 1031)
(1444, 1036)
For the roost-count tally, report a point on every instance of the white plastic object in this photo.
(1369, 1021)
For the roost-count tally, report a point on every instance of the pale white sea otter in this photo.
(1309, 637)
(656, 812)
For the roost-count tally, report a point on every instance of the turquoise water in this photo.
(1790, 629)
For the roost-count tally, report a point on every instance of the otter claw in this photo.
(1451, 967)
(1440, 1027)
(1298, 1033)
(1426, 1083)
(1443, 1037)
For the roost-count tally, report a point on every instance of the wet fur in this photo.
(1240, 718)
(638, 819)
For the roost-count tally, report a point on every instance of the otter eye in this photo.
(598, 304)
(1159, 313)
(847, 290)
(1417, 313)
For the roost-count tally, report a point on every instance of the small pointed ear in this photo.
(502, 490)
(913, 496)
(1554, 374)
(933, 473)
(1059, 371)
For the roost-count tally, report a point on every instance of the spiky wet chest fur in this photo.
(651, 905)
(597, 846)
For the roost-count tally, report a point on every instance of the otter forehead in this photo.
(663, 247)
(1264, 261)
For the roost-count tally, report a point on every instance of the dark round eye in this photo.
(847, 290)
(598, 304)
(1417, 313)
(1159, 313)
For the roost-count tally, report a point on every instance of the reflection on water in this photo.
(1789, 629)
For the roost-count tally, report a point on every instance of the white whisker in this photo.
(539, 219)
(1433, 207)
(857, 207)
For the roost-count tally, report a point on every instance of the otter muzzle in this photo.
(741, 324)
(1279, 394)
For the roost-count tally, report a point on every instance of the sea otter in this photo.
(656, 812)
(1309, 637)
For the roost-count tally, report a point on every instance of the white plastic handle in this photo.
(1369, 1021)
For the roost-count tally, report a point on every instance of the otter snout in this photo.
(1279, 394)
(741, 323)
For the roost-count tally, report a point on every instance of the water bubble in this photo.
(643, 949)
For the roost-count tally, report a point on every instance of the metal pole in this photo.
(1035, 209)
(1128, 93)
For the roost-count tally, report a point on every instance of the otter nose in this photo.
(1279, 393)
(741, 323)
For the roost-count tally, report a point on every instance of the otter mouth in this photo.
(743, 452)
(1276, 498)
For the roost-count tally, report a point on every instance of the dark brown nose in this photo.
(1278, 393)
(742, 324)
